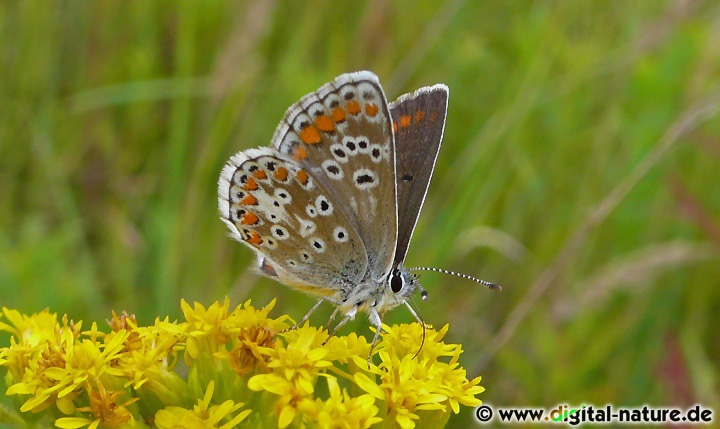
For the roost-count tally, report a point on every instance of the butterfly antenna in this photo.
(492, 286)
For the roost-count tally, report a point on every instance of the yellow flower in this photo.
(304, 354)
(252, 335)
(150, 347)
(203, 415)
(150, 356)
(408, 384)
(57, 366)
(209, 330)
(340, 410)
(348, 348)
(30, 337)
(290, 395)
(407, 339)
(104, 407)
(245, 315)
(303, 377)
(295, 369)
(205, 331)
(250, 350)
(31, 330)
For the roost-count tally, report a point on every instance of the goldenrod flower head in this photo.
(408, 383)
(205, 327)
(295, 368)
(211, 329)
(351, 348)
(31, 335)
(150, 356)
(340, 410)
(202, 415)
(250, 335)
(105, 409)
(31, 330)
(228, 357)
(250, 349)
(55, 365)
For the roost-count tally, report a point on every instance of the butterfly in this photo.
(331, 206)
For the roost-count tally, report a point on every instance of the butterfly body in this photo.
(331, 206)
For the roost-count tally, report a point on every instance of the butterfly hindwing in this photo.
(288, 217)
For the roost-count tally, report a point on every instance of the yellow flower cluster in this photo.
(223, 368)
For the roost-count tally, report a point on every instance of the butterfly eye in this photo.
(397, 282)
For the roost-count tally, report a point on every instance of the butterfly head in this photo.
(404, 283)
(379, 296)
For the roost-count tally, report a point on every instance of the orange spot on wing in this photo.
(254, 238)
(371, 110)
(338, 115)
(395, 127)
(433, 116)
(281, 174)
(249, 200)
(302, 176)
(250, 184)
(325, 123)
(405, 121)
(353, 107)
(300, 153)
(310, 135)
(419, 115)
(249, 218)
(260, 174)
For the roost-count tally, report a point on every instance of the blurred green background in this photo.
(580, 169)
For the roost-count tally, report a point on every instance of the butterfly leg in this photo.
(420, 321)
(376, 321)
(332, 317)
(350, 315)
(307, 316)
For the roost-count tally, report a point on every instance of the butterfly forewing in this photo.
(342, 135)
(418, 124)
(286, 215)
